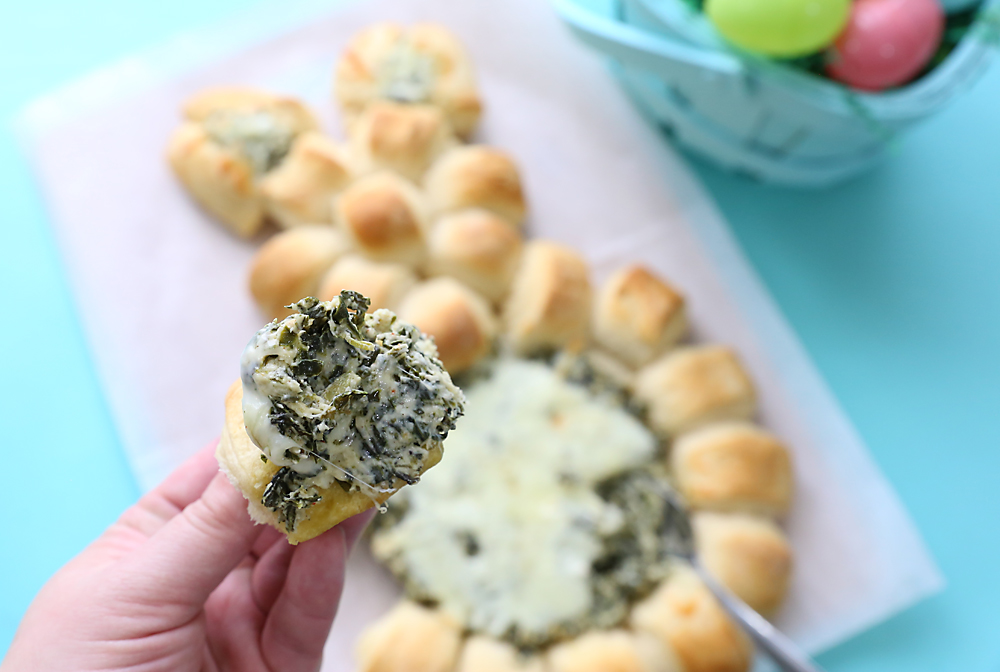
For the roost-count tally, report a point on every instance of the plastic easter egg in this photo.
(783, 28)
(886, 42)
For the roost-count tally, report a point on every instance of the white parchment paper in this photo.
(162, 289)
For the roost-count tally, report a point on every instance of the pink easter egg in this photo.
(886, 42)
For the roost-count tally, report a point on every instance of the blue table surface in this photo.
(891, 281)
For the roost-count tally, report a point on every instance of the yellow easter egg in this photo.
(783, 28)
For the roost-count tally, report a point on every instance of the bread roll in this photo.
(422, 63)
(733, 466)
(402, 138)
(749, 555)
(478, 248)
(476, 176)
(301, 189)
(294, 113)
(410, 638)
(684, 615)
(384, 284)
(485, 654)
(694, 386)
(384, 216)
(638, 316)
(549, 302)
(289, 266)
(218, 178)
(460, 321)
(613, 651)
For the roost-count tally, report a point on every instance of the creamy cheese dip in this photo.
(531, 529)
(259, 136)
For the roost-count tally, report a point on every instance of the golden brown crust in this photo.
(694, 386)
(476, 176)
(460, 321)
(733, 466)
(748, 555)
(686, 617)
(220, 180)
(240, 459)
(485, 654)
(301, 189)
(289, 266)
(638, 316)
(402, 138)
(612, 651)
(453, 89)
(477, 247)
(384, 284)
(410, 638)
(384, 216)
(549, 301)
(290, 111)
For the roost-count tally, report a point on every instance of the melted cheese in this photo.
(503, 533)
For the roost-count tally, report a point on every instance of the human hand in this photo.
(184, 580)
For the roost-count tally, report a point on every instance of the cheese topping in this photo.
(333, 395)
(406, 75)
(261, 138)
(513, 533)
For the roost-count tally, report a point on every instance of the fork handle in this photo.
(788, 656)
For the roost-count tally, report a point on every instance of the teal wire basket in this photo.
(762, 119)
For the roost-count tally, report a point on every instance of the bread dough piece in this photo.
(638, 316)
(423, 63)
(301, 189)
(694, 386)
(733, 466)
(290, 111)
(460, 321)
(485, 654)
(477, 247)
(613, 651)
(385, 217)
(410, 638)
(288, 267)
(687, 618)
(476, 176)
(549, 302)
(749, 555)
(384, 284)
(402, 138)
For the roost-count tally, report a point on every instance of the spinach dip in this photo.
(333, 395)
(260, 137)
(546, 520)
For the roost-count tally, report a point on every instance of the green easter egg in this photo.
(784, 28)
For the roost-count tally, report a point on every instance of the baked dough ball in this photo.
(240, 460)
(638, 316)
(288, 267)
(749, 555)
(684, 615)
(485, 654)
(460, 321)
(422, 63)
(733, 466)
(384, 284)
(402, 138)
(410, 638)
(478, 248)
(549, 302)
(301, 189)
(289, 111)
(694, 386)
(613, 651)
(476, 176)
(384, 216)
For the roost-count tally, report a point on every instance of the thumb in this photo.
(189, 556)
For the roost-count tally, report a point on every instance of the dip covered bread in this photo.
(335, 411)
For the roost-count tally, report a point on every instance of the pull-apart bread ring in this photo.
(231, 138)
(334, 412)
(403, 138)
(384, 284)
(476, 176)
(289, 266)
(385, 217)
(420, 64)
(638, 316)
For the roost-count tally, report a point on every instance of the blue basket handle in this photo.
(637, 47)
